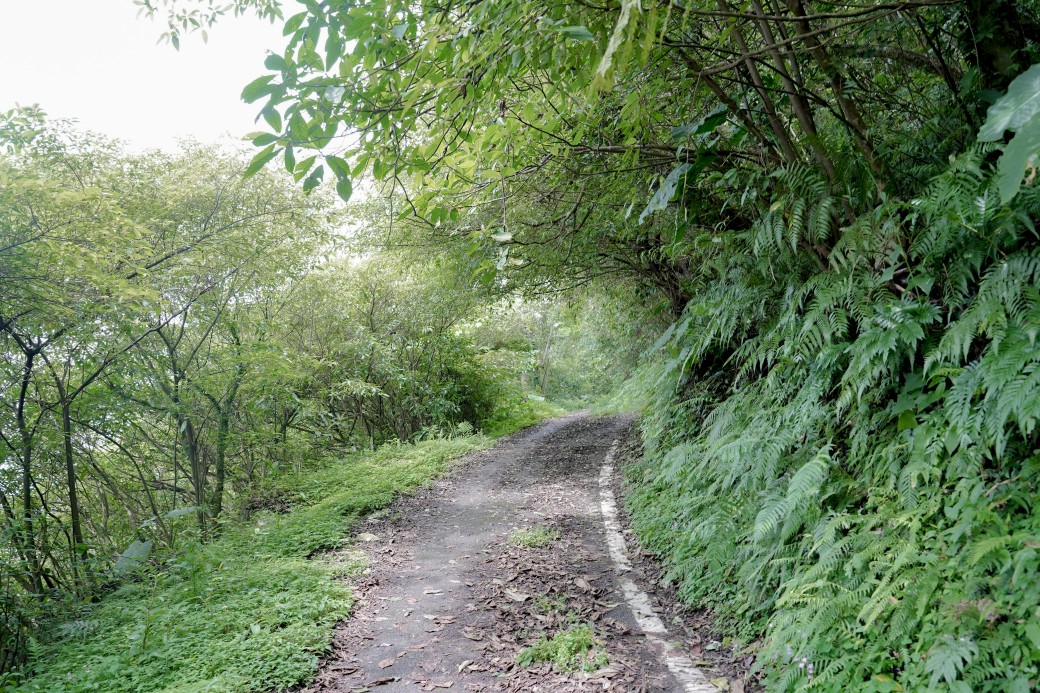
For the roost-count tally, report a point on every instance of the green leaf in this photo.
(1018, 153)
(261, 139)
(290, 159)
(708, 123)
(293, 23)
(302, 167)
(181, 512)
(132, 557)
(340, 167)
(344, 186)
(260, 160)
(257, 89)
(276, 62)
(665, 192)
(314, 179)
(345, 189)
(398, 31)
(1015, 108)
(1033, 633)
(380, 169)
(273, 117)
(576, 33)
(948, 657)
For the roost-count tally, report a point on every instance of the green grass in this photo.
(533, 537)
(248, 612)
(526, 411)
(569, 650)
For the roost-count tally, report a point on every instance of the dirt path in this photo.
(449, 600)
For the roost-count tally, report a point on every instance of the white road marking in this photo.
(682, 667)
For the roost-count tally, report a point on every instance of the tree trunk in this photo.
(27, 534)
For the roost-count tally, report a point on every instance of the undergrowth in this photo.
(521, 412)
(573, 649)
(533, 537)
(247, 612)
(841, 458)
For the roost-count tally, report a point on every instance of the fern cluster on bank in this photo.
(841, 457)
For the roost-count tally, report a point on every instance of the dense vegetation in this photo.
(189, 354)
(833, 204)
(840, 450)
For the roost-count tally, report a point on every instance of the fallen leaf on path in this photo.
(721, 683)
(736, 686)
(367, 536)
(387, 663)
(517, 596)
(381, 682)
(433, 591)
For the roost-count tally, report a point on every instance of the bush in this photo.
(845, 463)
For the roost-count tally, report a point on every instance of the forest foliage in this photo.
(185, 350)
(833, 204)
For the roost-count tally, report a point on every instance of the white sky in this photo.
(97, 62)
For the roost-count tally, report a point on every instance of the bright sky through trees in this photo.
(100, 63)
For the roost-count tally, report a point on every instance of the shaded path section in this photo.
(448, 601)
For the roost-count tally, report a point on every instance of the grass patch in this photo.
(576, 648)
(533, 537)
(525, 411)
(249, 611)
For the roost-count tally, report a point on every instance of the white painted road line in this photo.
(689, 676)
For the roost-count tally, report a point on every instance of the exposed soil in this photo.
(449, 601)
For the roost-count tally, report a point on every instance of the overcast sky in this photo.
(97, 62)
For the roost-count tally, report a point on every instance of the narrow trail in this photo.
(448, 601)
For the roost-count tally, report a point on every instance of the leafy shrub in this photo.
(843, 460)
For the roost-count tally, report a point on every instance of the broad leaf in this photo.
(314, 179)
(1022, 149)
(276, 62)
(260, 160)
(132, 557)
(576, 33)
(707, 124)
(344, 188)
(1012, 110)
(665, 192)
(257, 89)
